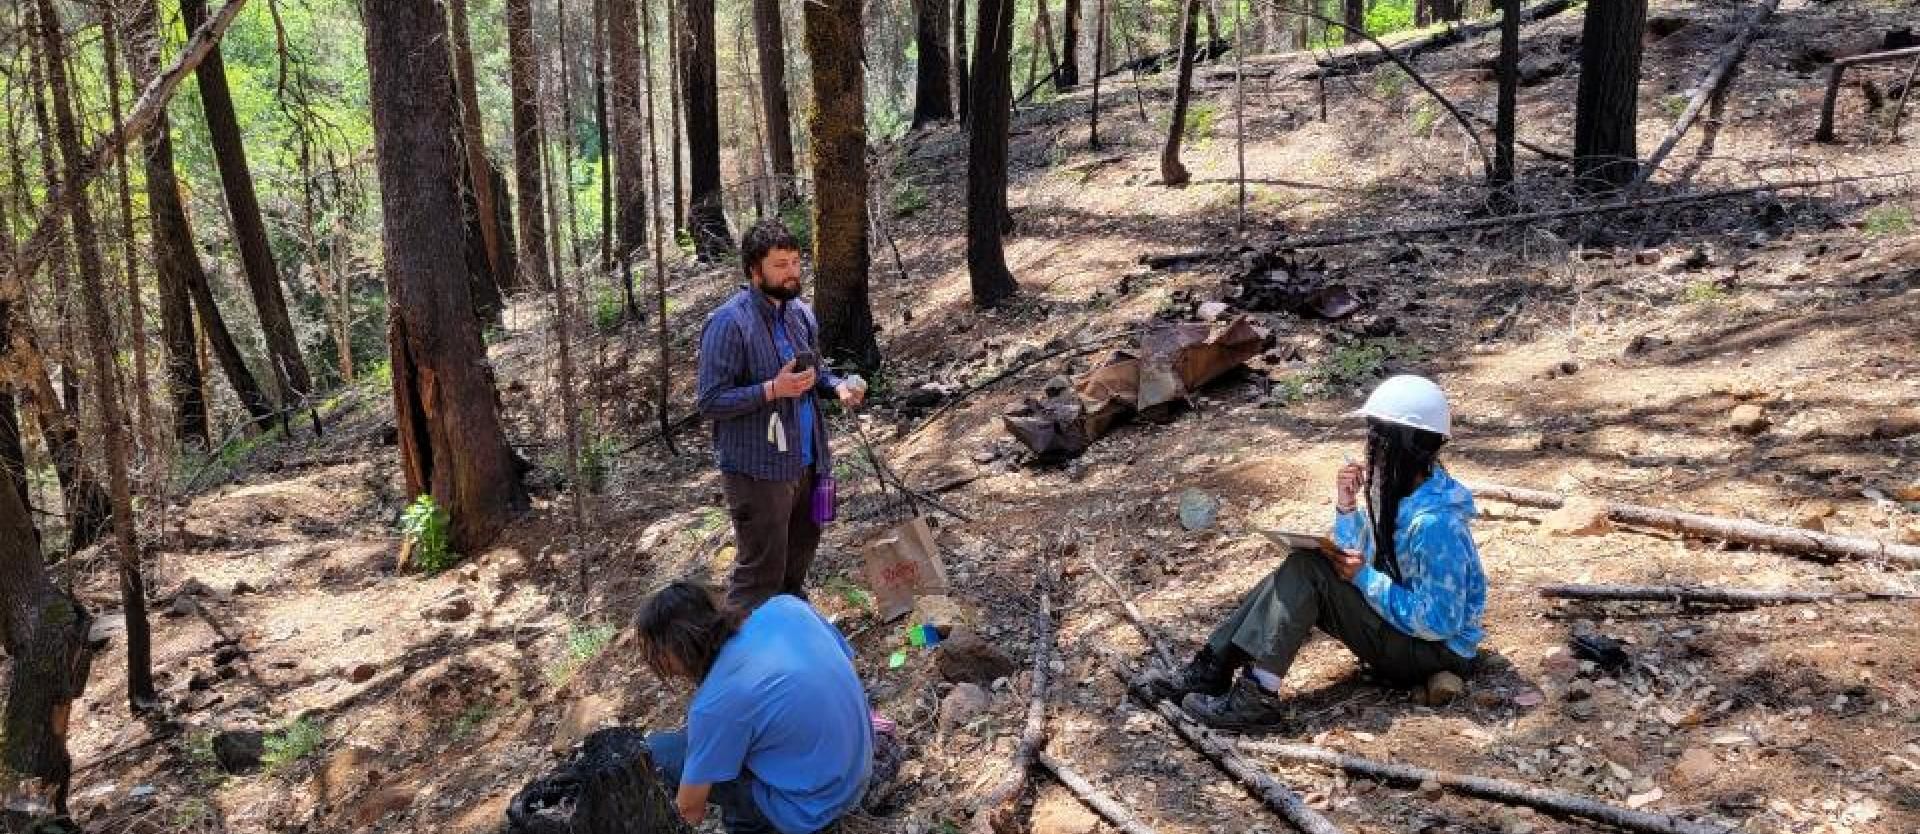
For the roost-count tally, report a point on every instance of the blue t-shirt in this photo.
(784, 704)
(805, 407)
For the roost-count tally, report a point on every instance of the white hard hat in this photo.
(1411, 401)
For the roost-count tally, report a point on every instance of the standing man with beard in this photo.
(761, 380)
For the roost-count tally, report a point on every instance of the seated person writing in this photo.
(778, 731)
(1405, 593)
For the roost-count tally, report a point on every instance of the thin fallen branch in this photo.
(1255, 779)
(152, 102)
(1825, 132)
(1900, 109)
(1703, 595)
(1497, 790)
(1100, 801)
(995, 811)
(1785, 539)
(1333, 68)
(1519, 219)
(1133, 614)
(1710, 87)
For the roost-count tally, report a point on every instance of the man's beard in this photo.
(782, 293)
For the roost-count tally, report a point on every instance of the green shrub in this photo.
(1889, 219)
(909, 198)
(473, 719)
(597, 455)
(424, 524)
(609, 309)
(1701, 292)
(583, 644)
(1387, 16)
(799, 219)
(1289, 391)
(1201, 117)
(1424, 118)
(300, 739)
(1389, 82)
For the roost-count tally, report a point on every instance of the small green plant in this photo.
(1389, 82)
(300, 739)
(381, 373)
(1424, 118)
(424, 524)
(1888, 219)
(798, 217)
(200, 748)
(853, 595)
(1289, 391)
(1703, 292)
(191, 813)
(711, 519)
(609, 309)
(597, 455)
(684, 240)
(1201, 117)
(1356, 364)
(583, 644)
(909, 198)
(1674, 105)
(472, 719)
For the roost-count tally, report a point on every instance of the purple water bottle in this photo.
(826, 494)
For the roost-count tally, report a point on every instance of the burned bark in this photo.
(992, 283)
(838, 128)
(1172, 172)
(775, 109)
(451, 442)
(44, 632)
(524, 73)
(933, 85)
(1606, 106)
(700, 84)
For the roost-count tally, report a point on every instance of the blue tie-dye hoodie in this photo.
(1442, 590)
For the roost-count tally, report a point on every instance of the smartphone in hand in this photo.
(805, 361)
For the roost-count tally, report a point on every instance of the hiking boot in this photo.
(1206, 673)
(1247, 706)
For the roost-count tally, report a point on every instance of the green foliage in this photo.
(799, 219)
(300, 739)
(1289, 391)
(609, 309)
(909, 199)
(200, 748)
(472, 719)
(424, 524)
(1673, 105)
(1201, 117)
(583, 644)
(1703, 292)
(1389, 82)
(191, 813)
(683, 240)
(1384, 16)
(597, 454)
(711, 520)
(1424, 118)
(1360, 363)
(853, 595)
(1888, 219)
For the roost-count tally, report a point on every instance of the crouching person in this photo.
(1405, 595)
(778, 733)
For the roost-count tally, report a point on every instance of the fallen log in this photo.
(1515, 219)
(994, 812)
(1703, 595)
(1334, 68)
(1784, 539)
(1498, 790)
(1100, 801)
(1825, 131)
(1710, 87)
(1153, 62)
(1256, 780)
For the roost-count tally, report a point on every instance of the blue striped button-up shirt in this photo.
(737, 356)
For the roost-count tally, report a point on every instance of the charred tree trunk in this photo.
(44, 632)
(933, 74)
(664, 343)
(838, 128)
(451, 442)
(601, 125)
(482, 288)
(136, 323)
(990, 101)
(289, 371)
(1172, 172)
(1099, 69)
(105, 381)
(1355, 16)
(776, 111)
(1068, 76)
(473, 137)
(1606, 105)
(706, 215)
(629, 144)
(1503, 123)
(676, 59)
(962, 87)
(524, 76)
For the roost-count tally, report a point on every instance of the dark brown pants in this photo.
(1305, 593)
(774, 537)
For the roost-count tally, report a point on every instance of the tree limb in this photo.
(1711, 85)
(1703, 595)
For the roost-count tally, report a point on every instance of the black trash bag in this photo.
(610, 787)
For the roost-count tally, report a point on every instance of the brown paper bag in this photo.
(901, 563)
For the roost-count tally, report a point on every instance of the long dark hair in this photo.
(682, 628)
(1399, 460)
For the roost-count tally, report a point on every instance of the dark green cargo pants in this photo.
(1277, 617)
